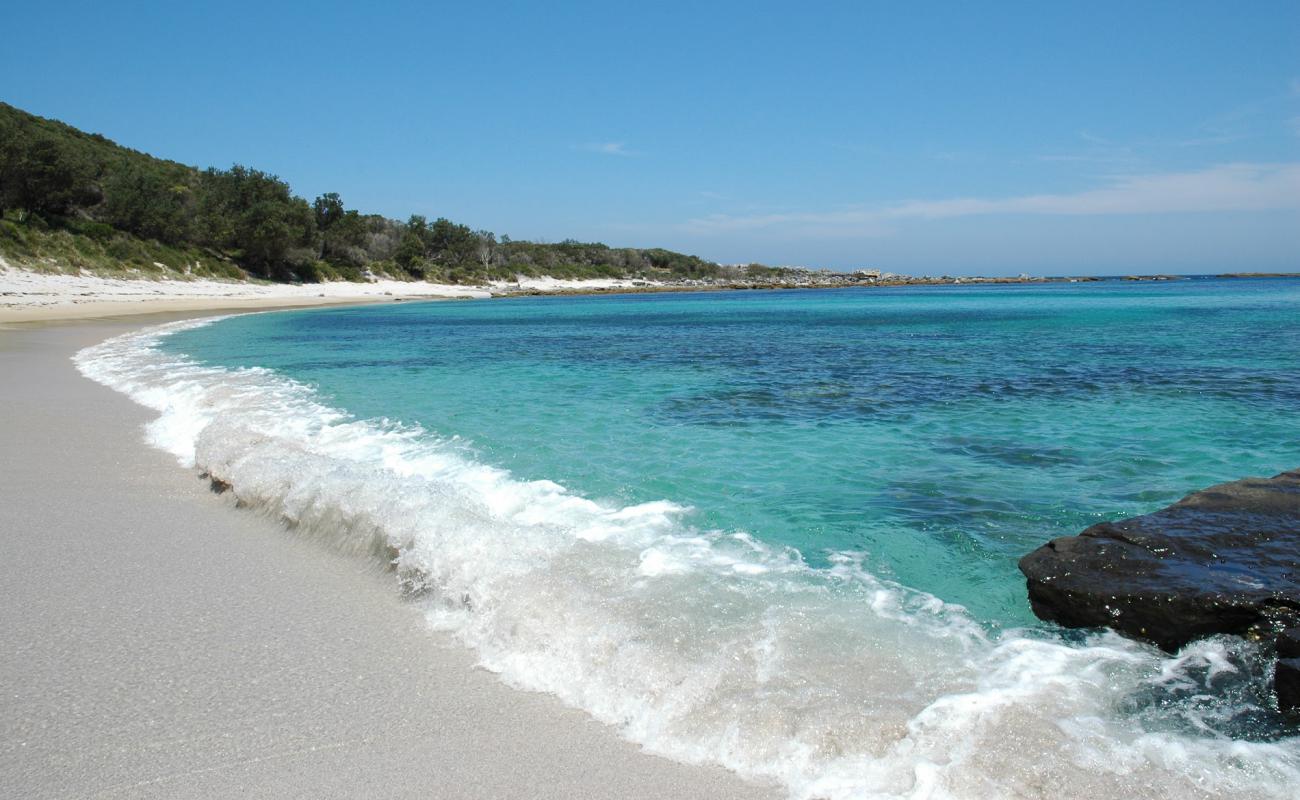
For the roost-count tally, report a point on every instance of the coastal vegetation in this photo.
(76, 200)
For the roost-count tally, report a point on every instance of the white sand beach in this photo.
(158, 642)
(29, 296)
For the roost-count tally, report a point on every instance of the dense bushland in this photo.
(78, 199)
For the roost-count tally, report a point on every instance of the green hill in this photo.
(76, 200)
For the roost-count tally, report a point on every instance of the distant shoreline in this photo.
(889, 283)
(1259, 275)
(27, 296)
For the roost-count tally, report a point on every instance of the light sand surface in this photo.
(155, 642)
(29, 296)
(547, 284)
(101, 309)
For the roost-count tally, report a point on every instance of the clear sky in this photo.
(957, 138)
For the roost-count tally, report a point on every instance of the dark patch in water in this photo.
(1006, 453)
(215, 484)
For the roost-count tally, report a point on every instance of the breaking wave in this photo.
(713, 646)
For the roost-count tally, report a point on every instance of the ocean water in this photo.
(778, 531)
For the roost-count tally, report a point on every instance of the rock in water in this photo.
(1286, 676)
(1222, 560)
(1286, 683)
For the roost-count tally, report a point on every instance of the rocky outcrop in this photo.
(1222, 560)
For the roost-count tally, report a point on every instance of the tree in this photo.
(47, 175)
(149, 203)
(451, 244)
(328, 209)
(410, 253)
(256, 215)
(486, 249)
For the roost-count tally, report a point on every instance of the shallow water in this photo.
(778, 530)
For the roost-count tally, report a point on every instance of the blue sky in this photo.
(935, 138)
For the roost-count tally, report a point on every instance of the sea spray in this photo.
(712, 646)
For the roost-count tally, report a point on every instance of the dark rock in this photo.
(1288, 644)
(1222, 560)
(1286, 683)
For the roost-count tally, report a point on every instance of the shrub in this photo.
(348, 272)
(122, 249)
(97, 231)
(12, 232)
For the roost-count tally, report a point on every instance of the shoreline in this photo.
(28, 297)
(181, 307)
(167, 645)
(155, 627)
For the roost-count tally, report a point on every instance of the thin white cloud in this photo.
(607, 148)
(1228, 187)
(1112, 158)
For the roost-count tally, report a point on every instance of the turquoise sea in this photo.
(778, 530)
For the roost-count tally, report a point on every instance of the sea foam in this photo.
(713, 646)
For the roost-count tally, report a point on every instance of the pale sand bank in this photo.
(27, 296)
(156, 643)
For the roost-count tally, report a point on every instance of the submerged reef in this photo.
(1224, 560)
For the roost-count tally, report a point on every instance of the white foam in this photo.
(710, 646)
